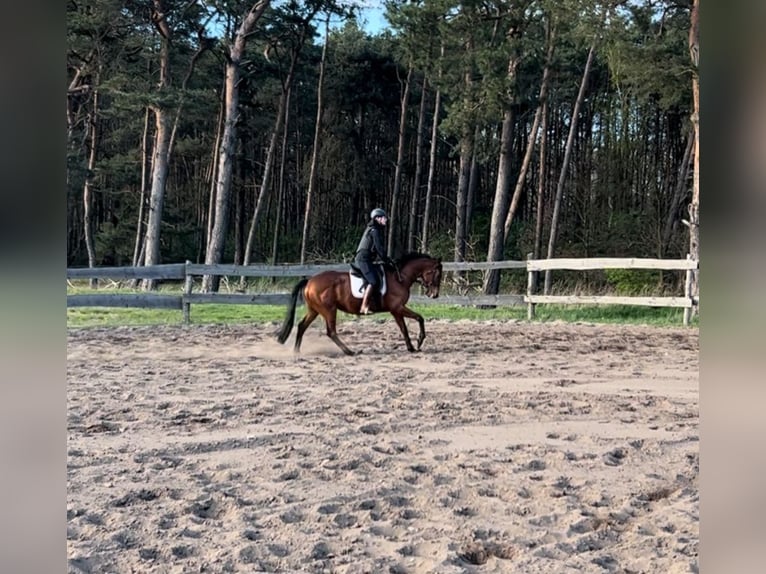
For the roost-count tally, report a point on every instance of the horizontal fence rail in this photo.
(172, 271)
(610, 300)
(262, 270)
(141, 300)
(307, 270)
(610, 263)
(187, 271)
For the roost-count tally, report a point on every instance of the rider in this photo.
(371, 250)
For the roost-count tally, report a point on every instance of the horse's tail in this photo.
(287, 326)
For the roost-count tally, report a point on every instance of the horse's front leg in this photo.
(406, 312)
(399, 317)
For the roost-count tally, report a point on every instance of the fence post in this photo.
(186, 303)
(688, 293)
(530, 289)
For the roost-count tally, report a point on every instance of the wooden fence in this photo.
(686, 301)
(186, 272)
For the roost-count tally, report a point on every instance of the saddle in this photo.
(359, 283)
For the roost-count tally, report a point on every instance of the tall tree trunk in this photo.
(431, 171)
(502, 212)
(542, 185)
(281, 198)
(532, 136)
(415, 204)
(491, 283)
(75, 88)
(74, 108)
(565, 163)
(393, 212)
(315, 150)
(266, 181)
(694, 222)
(214, 253)
(138, 248)
(161, 146)
(466, 154)
(157, 195)
(238, 180)
(678, 194)
(500, 205)
(464, 178)
(201, 209)
(214, 169)
(473, 185)
(87, 192)
(431, 163)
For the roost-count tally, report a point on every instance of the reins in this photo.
(398, 272)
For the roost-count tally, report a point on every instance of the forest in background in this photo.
(255, 132)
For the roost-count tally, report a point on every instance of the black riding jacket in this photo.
(371, 245)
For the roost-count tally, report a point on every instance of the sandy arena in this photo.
(501, 447)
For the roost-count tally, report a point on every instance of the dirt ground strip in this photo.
(501, 447)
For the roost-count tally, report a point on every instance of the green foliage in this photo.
(442, 245)
(650, 60)
(632, 282)
(513, 281)
(114, 244)
(624, 163)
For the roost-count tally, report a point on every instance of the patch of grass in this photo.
(231, 314)
(610, 314)
(613, 314)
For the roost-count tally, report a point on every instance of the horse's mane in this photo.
(404, 259)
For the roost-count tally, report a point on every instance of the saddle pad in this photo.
(358, 282)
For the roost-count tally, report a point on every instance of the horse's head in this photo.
(422, 269)
(431, 277)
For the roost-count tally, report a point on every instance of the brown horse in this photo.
(329, 291)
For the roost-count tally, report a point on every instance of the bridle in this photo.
(427, 283)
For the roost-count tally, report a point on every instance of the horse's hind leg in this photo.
(330, 320)
(308, 318)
